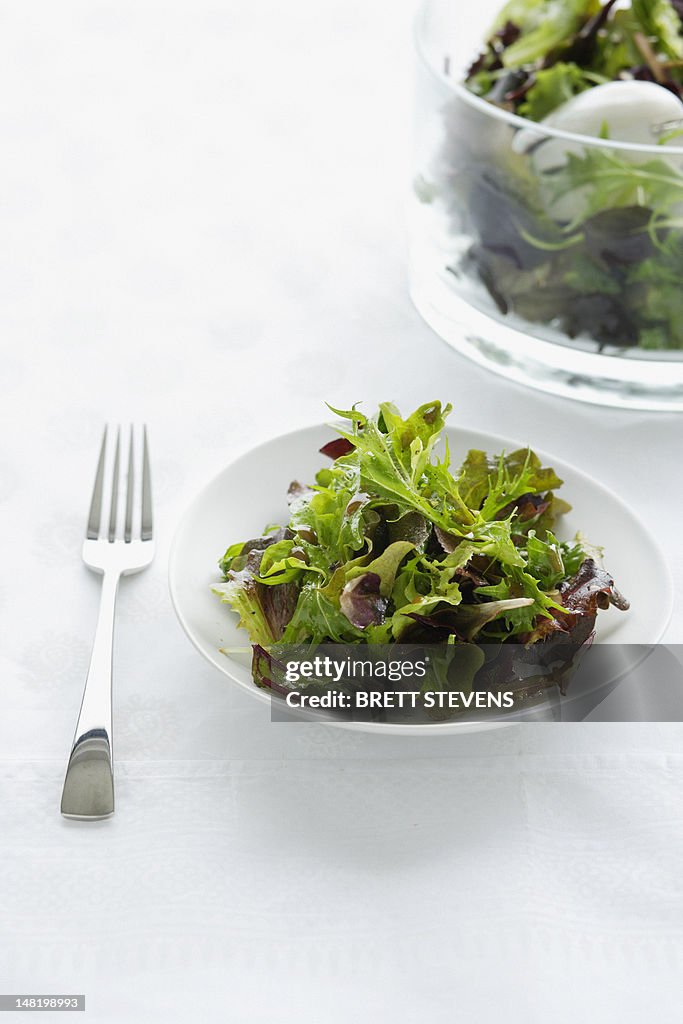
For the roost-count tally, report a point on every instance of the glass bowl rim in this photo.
(514, 120)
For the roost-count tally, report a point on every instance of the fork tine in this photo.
(128, 529)
(115, 489)
(146, 530)
(95, 513)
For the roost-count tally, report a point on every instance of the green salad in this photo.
(586, 240)
(393, 544)
(541, 53)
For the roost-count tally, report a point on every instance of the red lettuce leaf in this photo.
(336, 448)
(361, 601)
(590, 589)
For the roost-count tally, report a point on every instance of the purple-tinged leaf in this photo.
(336, 448)
(592, 588)
(361, 601)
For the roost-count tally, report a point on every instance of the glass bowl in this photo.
(519, 260)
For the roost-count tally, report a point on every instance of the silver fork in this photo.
(114, 551)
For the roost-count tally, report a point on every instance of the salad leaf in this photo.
(551, 87)
(337, 447)
(493, 484)
(318, 617)
(590, 589)
(516, 612)
(392, 456)
(545, 562)
(330, 519)
(605, 180)
(385, 566)
(283, 562)
(659, 20)
(582, 48)
(362, 601)
(543, 24)
(263, 611)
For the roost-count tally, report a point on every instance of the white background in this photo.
(203, 227)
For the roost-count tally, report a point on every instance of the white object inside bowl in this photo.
(641, 113)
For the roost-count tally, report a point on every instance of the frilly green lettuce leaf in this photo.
(317, 618)
(552, 87)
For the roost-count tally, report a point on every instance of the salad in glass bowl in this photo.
(550, 194)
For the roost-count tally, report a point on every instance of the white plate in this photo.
(251, 493)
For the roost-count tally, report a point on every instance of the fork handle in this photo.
(89, 784)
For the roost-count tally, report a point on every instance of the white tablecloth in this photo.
(202, 227)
